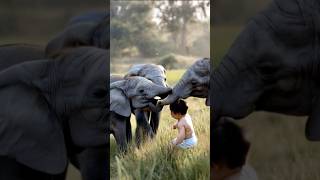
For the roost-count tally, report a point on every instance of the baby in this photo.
(186, 137)
(229, 150)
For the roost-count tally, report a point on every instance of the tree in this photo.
(131, 26)
(176, 15)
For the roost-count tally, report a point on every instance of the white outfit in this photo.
(190, 142)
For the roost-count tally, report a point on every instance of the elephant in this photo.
(126, 95)
(53, 97)
(194, 82)
(92, 161)
(11, 54)
(157, 74)
(89, 29)
(273, 65)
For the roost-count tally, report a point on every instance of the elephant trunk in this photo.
(180, 90)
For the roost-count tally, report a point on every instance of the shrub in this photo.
(169, 61)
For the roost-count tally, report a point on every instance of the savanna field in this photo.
(279, 149)
(154, 160)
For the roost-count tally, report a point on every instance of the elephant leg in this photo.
(312, 130)
(128, 131)
(154, 121)
(143, 129)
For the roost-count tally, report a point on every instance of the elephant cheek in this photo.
(138, 102)
(88, 132)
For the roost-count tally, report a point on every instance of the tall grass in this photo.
(155, 160)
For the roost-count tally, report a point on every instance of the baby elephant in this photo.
(125, 96)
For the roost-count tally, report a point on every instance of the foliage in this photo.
(169, 61)
(176, 15)
(131, 26)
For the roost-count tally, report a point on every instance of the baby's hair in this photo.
(228, 144)
(179, 106)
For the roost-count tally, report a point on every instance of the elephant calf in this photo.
(156, 74)
(126, 95)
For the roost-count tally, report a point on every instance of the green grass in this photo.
(173, 76)
(154, 160)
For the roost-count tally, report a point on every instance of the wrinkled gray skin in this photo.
(194, 82)
(120, 126)
(89, 29)
(129, 94)
(273, 65)
(19, 76)
(156, 74)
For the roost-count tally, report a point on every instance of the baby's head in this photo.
(229, 148)
(178, 109)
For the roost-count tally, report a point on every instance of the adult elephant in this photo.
(88, 29)
(52, 97)
(156, 74)
(273, 65)
(194, 82)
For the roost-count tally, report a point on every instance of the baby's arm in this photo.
(181, 136)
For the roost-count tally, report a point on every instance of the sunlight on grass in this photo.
(155, 160)
(173, 76)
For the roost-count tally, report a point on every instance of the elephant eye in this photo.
(193, 82)
(141, 91)
(165, 79)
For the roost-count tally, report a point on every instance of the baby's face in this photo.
(175, 115)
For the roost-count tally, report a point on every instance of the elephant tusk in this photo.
(157, 98)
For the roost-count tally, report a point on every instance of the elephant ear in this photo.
(119, 103)
(29, 130)
(75, 35)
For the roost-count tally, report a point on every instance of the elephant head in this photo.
(44, 99)
(194, 82)
(91, 29)
(139, 90)
(273, 66)
(153, 72)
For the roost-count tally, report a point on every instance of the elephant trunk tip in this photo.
(168, 100)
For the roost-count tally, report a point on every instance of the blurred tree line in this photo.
(35, 21)
(236, 12)
(134, 30)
